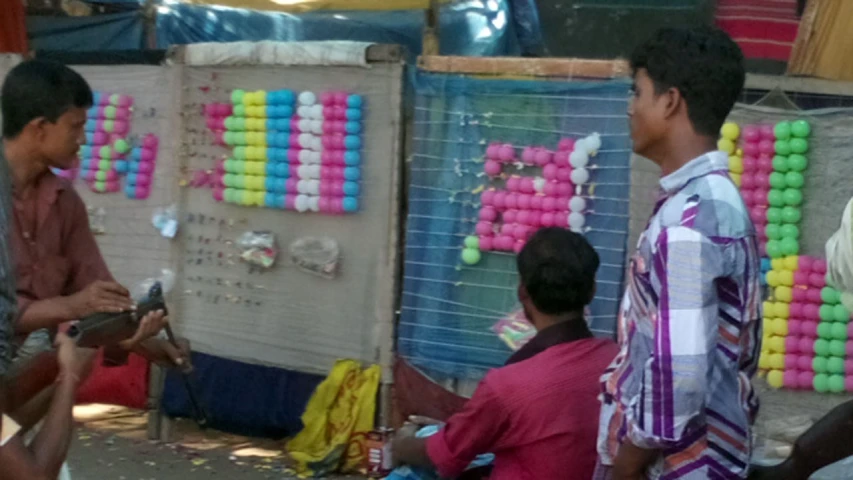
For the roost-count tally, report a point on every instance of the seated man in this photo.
(61, 275)
(538, 414)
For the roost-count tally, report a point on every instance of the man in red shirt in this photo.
(537, 414)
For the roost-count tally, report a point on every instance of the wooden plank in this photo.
(384, 53)
(533, 67)
(799, 84)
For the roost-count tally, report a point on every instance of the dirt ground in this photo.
(111, 444)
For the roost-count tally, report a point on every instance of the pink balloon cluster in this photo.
(758, 149)
(509, 216)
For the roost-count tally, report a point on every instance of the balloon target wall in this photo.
(493, 161)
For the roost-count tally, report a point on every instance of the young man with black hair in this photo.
(537, 414)
(677, 402)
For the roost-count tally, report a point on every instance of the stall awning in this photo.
(299, 6)
(13, 31)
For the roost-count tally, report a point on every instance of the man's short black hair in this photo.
(38, 88)
(557, 268)
(704, 64)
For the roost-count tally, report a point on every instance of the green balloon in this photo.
(829, 295)
(782, 147)
(835, 365)
(775, 198)
(110, 112)
(789, 246)
(780, 163)
(836, 383)
(228, 137)
(105, 152)
(839, 331)
(121, 146)
(773, 231)
(228, 179)
(240, 153)
(799, 145)
(240, 124)
(791, 215)
(228, 194)
(240, 138)
(472, 242)
(793, 197)
(104, 165)
(837, 348)
(821, 383)
(109, 126)
(774, 249)
(782, 130)
(797, 162)
(777, 180)
(801, 128)
(239, 110)
(230, 123)
(821, 347)
(774, 215)
(240, 182)
(470, 256)
(819, 364)
(114, 98)
(789, 231)
(824, 330)
(826, 313)
(794, 180)
(841, 314)
(237, 96)
(100, 176)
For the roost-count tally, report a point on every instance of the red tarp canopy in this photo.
(13, 30)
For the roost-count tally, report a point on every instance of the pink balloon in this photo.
(484, 228)
(759, 195)
(527, 185)
(848, 347)
(848, 384)
(564, 174)
(801, 278)
(510, 216)
(808, 329)
(798, 294)
(550, 189)
(566, 144)
(499, 200)
(806, 379)
(811, 311)
(218, 194)
(487, 197)
(796, 310)
(142, 192)
(549, 172)
(794, 329)
(547, 219)
(492, 168)
(766, 147)
(507, 152)
(536, 202)
(791, 379)
(549, 204)
(504, 243)
(121, 127)
(528, 155)
(762, 181)
(747, 181)
(748, 197)
(565, 189)
(513, 183)
(805, 263)
(756, 213)
(751, 149)
(805, 361)
(512, 200)
(750, 163)
(766, 132)
(751, 133)
(791, 356)
(487, 214)
(487, 243)
(524, 201)
(817, 280)
(523, 216)
(765, 163)
(543, 157)
(561, 221)
(521, 232)
(819, 266)
(518, 246)
(508, 229)
(561, 159)
(493, 151)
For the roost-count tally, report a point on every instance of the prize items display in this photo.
(290, 150)
(111, 154)
(510, 213)
(806, 328)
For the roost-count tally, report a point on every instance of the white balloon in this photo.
(316, 143)
(301, 203)
(317, 112)
(302, 185)
(580, 176)
(576, 221)
(314, 203)
(304, 125)
(578, 159)
(539, 184)
(304, 112)
(317, 126)
(580, 145)
(302, 171)
(307, 98)
(305, 140)
(577, 204)
(593, 144)
(314, 172)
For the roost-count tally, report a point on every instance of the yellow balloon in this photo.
(735, 164)
(259, 198)
(726, 145)
(255, 168)
(739, 152)
(764, 360)
(780, 327)
(777, 264)
(768, 308)
(783, 294)
(775, 378)
(792, 262)
(261, 97)
(773, 278)
(781, 310)
(730, 131)
(735, 178)
(786, 278)
(776, 361)
(254, 112)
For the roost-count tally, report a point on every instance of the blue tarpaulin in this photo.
(117, 31)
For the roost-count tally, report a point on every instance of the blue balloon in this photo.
(96, 99)
(282, 125)
(282, 170)
(279, 201)
(85, 151)
(131, 179)
(120, 166)
(354, 101)
(352, 142)
(352, 158)
(352, 173)
(350, 204)
(130, 191)
(136, 154)
(286, 111)
(351, 189)
(134, 167)
(91, 125)
(270, 171)
(270, 200)
(353, 127)
(271, 125)
(353, 114)
(90, 137)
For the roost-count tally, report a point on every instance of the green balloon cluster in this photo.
(785, 197)
(471, 253)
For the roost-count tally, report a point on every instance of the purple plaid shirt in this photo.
(689, 332)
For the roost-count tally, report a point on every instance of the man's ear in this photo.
(672, 102)
(523, 295)
(37, 127)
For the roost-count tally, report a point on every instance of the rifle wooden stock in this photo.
(27, 378)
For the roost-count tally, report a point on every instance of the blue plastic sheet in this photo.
(244, 399)
(119, 31)
(475, 28)
(447, 307)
